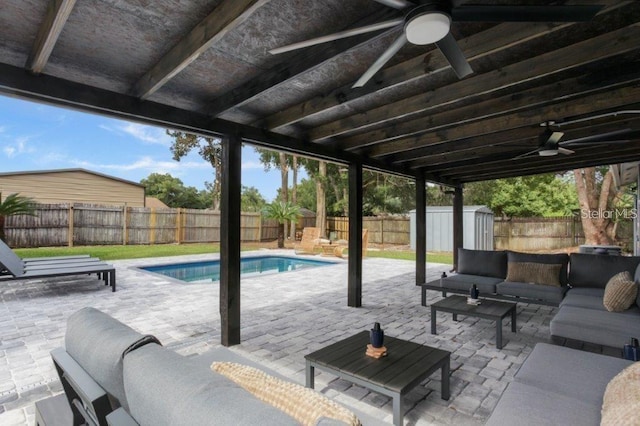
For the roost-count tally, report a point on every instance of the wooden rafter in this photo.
(58, 12)
(227, 16)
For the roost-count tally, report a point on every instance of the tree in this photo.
(282, 211)
(172, 192)
(252, 200)
(210, 149)
(280, 161)
(14, 205)
(598, 199)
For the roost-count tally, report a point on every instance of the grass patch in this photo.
(446, 258)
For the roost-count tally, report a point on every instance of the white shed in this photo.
(477, 228)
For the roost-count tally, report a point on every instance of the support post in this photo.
(354, 298)
(458, 240)
(230, 240)
(421, 230)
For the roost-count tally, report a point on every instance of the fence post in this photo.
(382, 232)
(260, 228)
(124, 225)
(179, 226)
(70, 238)
(152, 226)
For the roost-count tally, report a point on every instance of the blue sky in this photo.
(35, 136)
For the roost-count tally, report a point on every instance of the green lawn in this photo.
(140, 251)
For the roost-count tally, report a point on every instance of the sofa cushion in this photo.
(585, 298)
(303, 404)
(463, 282)
(164, 388)
(486, 263)
(546, 293)
(523, 404)
(620, 293)
(621, 403)
(595, 270)
(600, 327)
(534, 273)
(636, 278)
(98, 342)
(583, 374)
(552, 259)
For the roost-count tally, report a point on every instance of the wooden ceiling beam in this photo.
(227, 16)
(564, 90)
(58, 12)
(598, 48)
(304, 61)
(424, 145)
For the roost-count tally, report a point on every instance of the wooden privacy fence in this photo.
(83, 224)
(382, 230)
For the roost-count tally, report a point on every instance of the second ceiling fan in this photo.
(429, 22)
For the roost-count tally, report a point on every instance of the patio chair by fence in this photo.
(339, 250)
(13, 267)
(309, 242)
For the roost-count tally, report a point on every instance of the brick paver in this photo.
(284, 317)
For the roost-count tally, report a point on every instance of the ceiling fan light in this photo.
(427, 28)
(548, 152)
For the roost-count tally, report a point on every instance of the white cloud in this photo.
(9, 151)
(145, 163)
(147, 134)
(248, 165)
(17, 147)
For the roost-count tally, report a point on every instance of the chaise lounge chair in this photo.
(340, 249)
(309, 242)
(13, 267)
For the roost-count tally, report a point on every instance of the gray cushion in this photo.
(98, 343)
(583, 374)
(546, 293)
(463, 282)
(600, 327)
(588, 291)
(636, 278)
(523, 404)
(584, 300)
(486, 263)
(10, 261)
(164, 388)
(593, 270)
(561, 258)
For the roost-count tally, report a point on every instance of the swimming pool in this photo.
(209, 271)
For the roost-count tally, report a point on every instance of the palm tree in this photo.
(13, 205)
(281, 211)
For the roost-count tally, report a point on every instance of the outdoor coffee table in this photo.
(403, 368)
(489, 309)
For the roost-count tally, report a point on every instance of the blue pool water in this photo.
(208, 271)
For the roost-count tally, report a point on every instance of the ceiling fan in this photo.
(550, 144)
(429, 21)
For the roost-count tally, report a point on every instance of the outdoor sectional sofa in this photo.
(113, 375)
(582, 278)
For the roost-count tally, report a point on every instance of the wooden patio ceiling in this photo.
(204, 66)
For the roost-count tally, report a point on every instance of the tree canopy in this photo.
(171, 191)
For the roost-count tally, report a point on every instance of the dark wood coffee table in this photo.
(494, 310)
(405, 366)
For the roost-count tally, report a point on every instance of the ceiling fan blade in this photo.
(396, 4)
(337, 36)
(555, 137)
(450, 49)
(624, 134)
(526, 154)
(565, 151)
(498, 13)
(382, 59)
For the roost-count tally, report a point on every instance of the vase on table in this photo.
(377, 336)
(473, 292)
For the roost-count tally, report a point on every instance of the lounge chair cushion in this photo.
(545, 293)
(10, 261)
(550, 259)
(166, 389)
(303, 404)
(109, 341)
(486, 263)
(596, 326)
(463, 282)
(595, 270)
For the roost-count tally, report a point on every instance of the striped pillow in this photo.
(303, 404)
(534, 273)
(621, 401)
(620, 292)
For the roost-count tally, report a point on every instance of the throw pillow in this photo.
(534, 273)
(621, 401)
(303, 404)
(620, 292)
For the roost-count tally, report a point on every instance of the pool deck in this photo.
(284, 317)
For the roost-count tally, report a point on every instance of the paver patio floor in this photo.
(284, 317)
